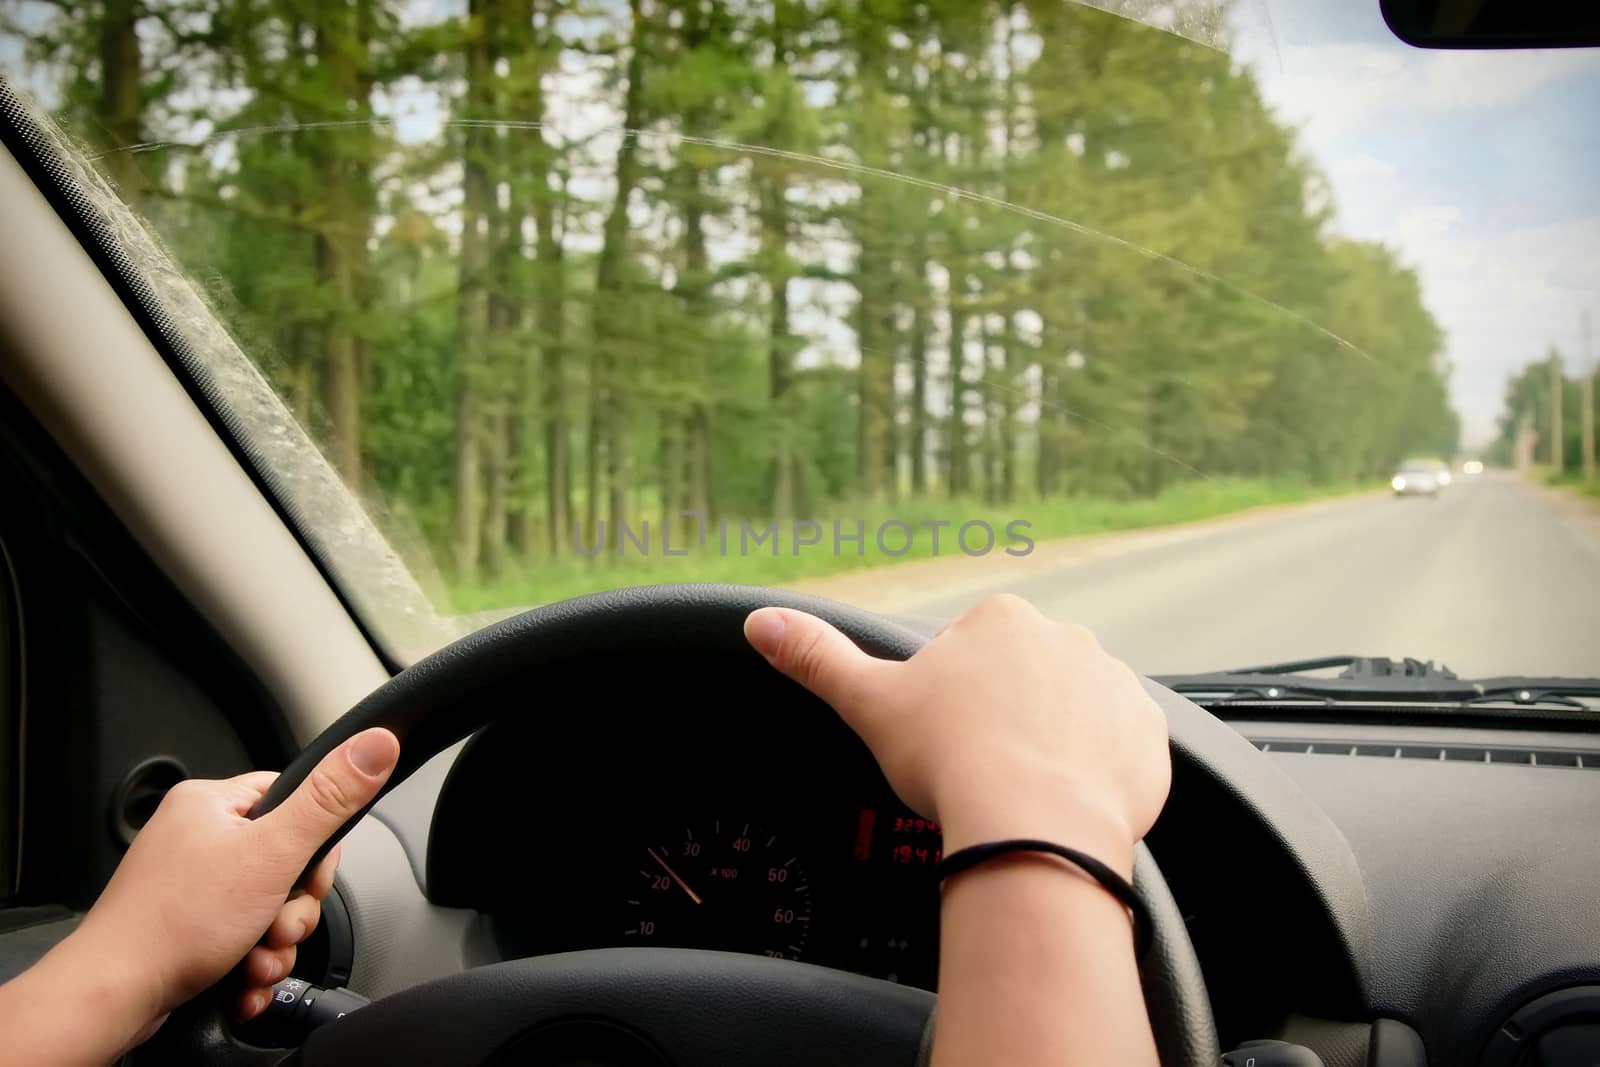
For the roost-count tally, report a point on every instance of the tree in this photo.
(757, 260)
(609, 407)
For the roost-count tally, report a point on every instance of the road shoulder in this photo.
(1576, 509)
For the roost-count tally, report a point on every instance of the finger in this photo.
(321, 880)
(245, 789)
(294, 922)
(336, 790)
(252, 1002)
(1006, 606)
(817, 656)
(263, 966)
(254, 781)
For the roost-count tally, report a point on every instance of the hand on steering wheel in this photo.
(228, 878)
(1006, 724)
(201, 885)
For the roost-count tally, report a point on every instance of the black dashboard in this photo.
(691, 840)
(728, 809)
(1344, 884)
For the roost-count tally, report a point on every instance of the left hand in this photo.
(203, 887)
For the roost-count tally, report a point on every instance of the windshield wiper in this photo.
(1365, 679)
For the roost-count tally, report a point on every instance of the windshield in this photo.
(1132, 309)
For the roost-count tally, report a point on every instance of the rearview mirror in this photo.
(1494, 23)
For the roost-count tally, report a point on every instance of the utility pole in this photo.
(1527, 440)
(1556, 435)
(1588, 403)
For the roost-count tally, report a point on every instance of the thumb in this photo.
(338, 788)
(814, 654)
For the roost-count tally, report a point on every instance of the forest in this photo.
(1553, 412)
(526, 267)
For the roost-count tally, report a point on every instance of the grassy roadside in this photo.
(1571, 481)
(776, 561)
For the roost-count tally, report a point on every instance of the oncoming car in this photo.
(1418, 479)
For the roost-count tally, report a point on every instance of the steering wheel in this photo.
(649, 1007)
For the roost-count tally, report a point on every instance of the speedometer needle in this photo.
(681, 883)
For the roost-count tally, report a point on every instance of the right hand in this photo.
(1004, 725)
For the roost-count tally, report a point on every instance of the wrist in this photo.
(93, 976)
(1051, 809)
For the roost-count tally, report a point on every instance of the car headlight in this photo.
(1444, 479)
(1398, 483)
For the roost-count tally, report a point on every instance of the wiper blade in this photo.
(1367, 679)
(1572, 692)
(1359, 678)
(1353, 667)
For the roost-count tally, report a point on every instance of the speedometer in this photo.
(720, 884)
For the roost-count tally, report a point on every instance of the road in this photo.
(1495, 577)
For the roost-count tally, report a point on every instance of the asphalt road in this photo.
(1495, 577)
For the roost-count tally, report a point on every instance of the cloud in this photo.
(1426, 222)
(1464, 81)
(1332, 90)
(1503, 297)
(1362, 166)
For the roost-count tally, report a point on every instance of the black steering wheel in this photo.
(638, 1007)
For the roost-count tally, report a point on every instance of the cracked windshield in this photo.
(1240, 333)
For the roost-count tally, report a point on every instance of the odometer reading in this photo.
(722, 885)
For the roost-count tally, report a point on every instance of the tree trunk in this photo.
(609, 401)
(780, 373)
(472, 302)
(527, 165)
(1050, 427)
(672, 467)
(121, 105)
(505, 509)
(341, 370)
(1007, 429)
(875, 311)
(342, 37)
(957, 453)
(1586, 405)
(594, 444)
(1558, 438)
(702, 486)
(497, 482)
(917, 356)
(989, 404)
(551, 303)
(1008, 381)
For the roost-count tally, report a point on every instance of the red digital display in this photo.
(918, 854)
(907, 839)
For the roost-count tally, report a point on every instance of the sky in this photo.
(1481, 168)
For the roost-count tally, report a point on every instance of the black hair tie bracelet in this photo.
(967, 858)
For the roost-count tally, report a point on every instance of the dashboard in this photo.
(797, 850)
(850, 890)
(728, 809)
(706, 802)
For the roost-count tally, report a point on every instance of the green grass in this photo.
(1570, 480)
(548, 580)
